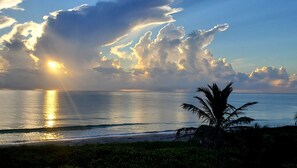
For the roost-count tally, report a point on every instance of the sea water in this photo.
(29, 116)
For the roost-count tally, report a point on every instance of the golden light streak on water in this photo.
(50, 136)
(50, 110)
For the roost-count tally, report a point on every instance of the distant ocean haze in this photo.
(28, 116)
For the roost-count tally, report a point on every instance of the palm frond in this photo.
(233, 114)
(241, 120)
(231, 107)
(228, 87)
(239, 110)
(246, 105)
(207, 93)
(227, 91)
(205, 105)
(201, 114)
(214, 88)
(190, 107)
(216, 93)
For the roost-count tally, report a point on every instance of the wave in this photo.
(15, 142)
(66, 128)
(127, 134)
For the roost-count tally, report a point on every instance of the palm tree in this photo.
(216, 111)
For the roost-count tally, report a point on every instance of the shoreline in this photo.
(151, 137)
(127, 138)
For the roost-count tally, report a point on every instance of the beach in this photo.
(102, 140)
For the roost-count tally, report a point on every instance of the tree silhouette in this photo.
(216, 111)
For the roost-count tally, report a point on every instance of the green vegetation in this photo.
(255, 147)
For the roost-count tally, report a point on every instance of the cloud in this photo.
(17, 55)
(18, 45)
(273, 79)
(270, 75)
(155, 53)
(6, 21)
(109, 66)
(118, 50)
(27, 79)
(27, 33)
(3, 65)
(174, 60)
(183, 61)
(85, 40)
(74, 36)
(10, 4)
(170, 47)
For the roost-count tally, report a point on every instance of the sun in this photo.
(53, 65)
(56, 67)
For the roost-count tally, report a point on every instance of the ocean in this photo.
(32, 116)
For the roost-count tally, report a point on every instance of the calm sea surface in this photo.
(26, 116)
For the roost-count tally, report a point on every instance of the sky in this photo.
(156, 45)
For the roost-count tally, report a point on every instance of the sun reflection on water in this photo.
(50, 108)
(50, 115)
(50, 136)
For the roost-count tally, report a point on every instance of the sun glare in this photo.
(54, 66)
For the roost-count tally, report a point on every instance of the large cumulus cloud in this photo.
(74, 36)
(168, 60)
(174, 60)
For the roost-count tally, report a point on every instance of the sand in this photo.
(102, 140)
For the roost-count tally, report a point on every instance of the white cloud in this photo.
(118, 50)
(74, 36)
(27, 32)
(6, 21)
(175, 61)
(10, 4)
(171, 47)
(18, 45)
(168, 61)
(271, 77)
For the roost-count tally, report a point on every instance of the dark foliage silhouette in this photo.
(217, 112)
